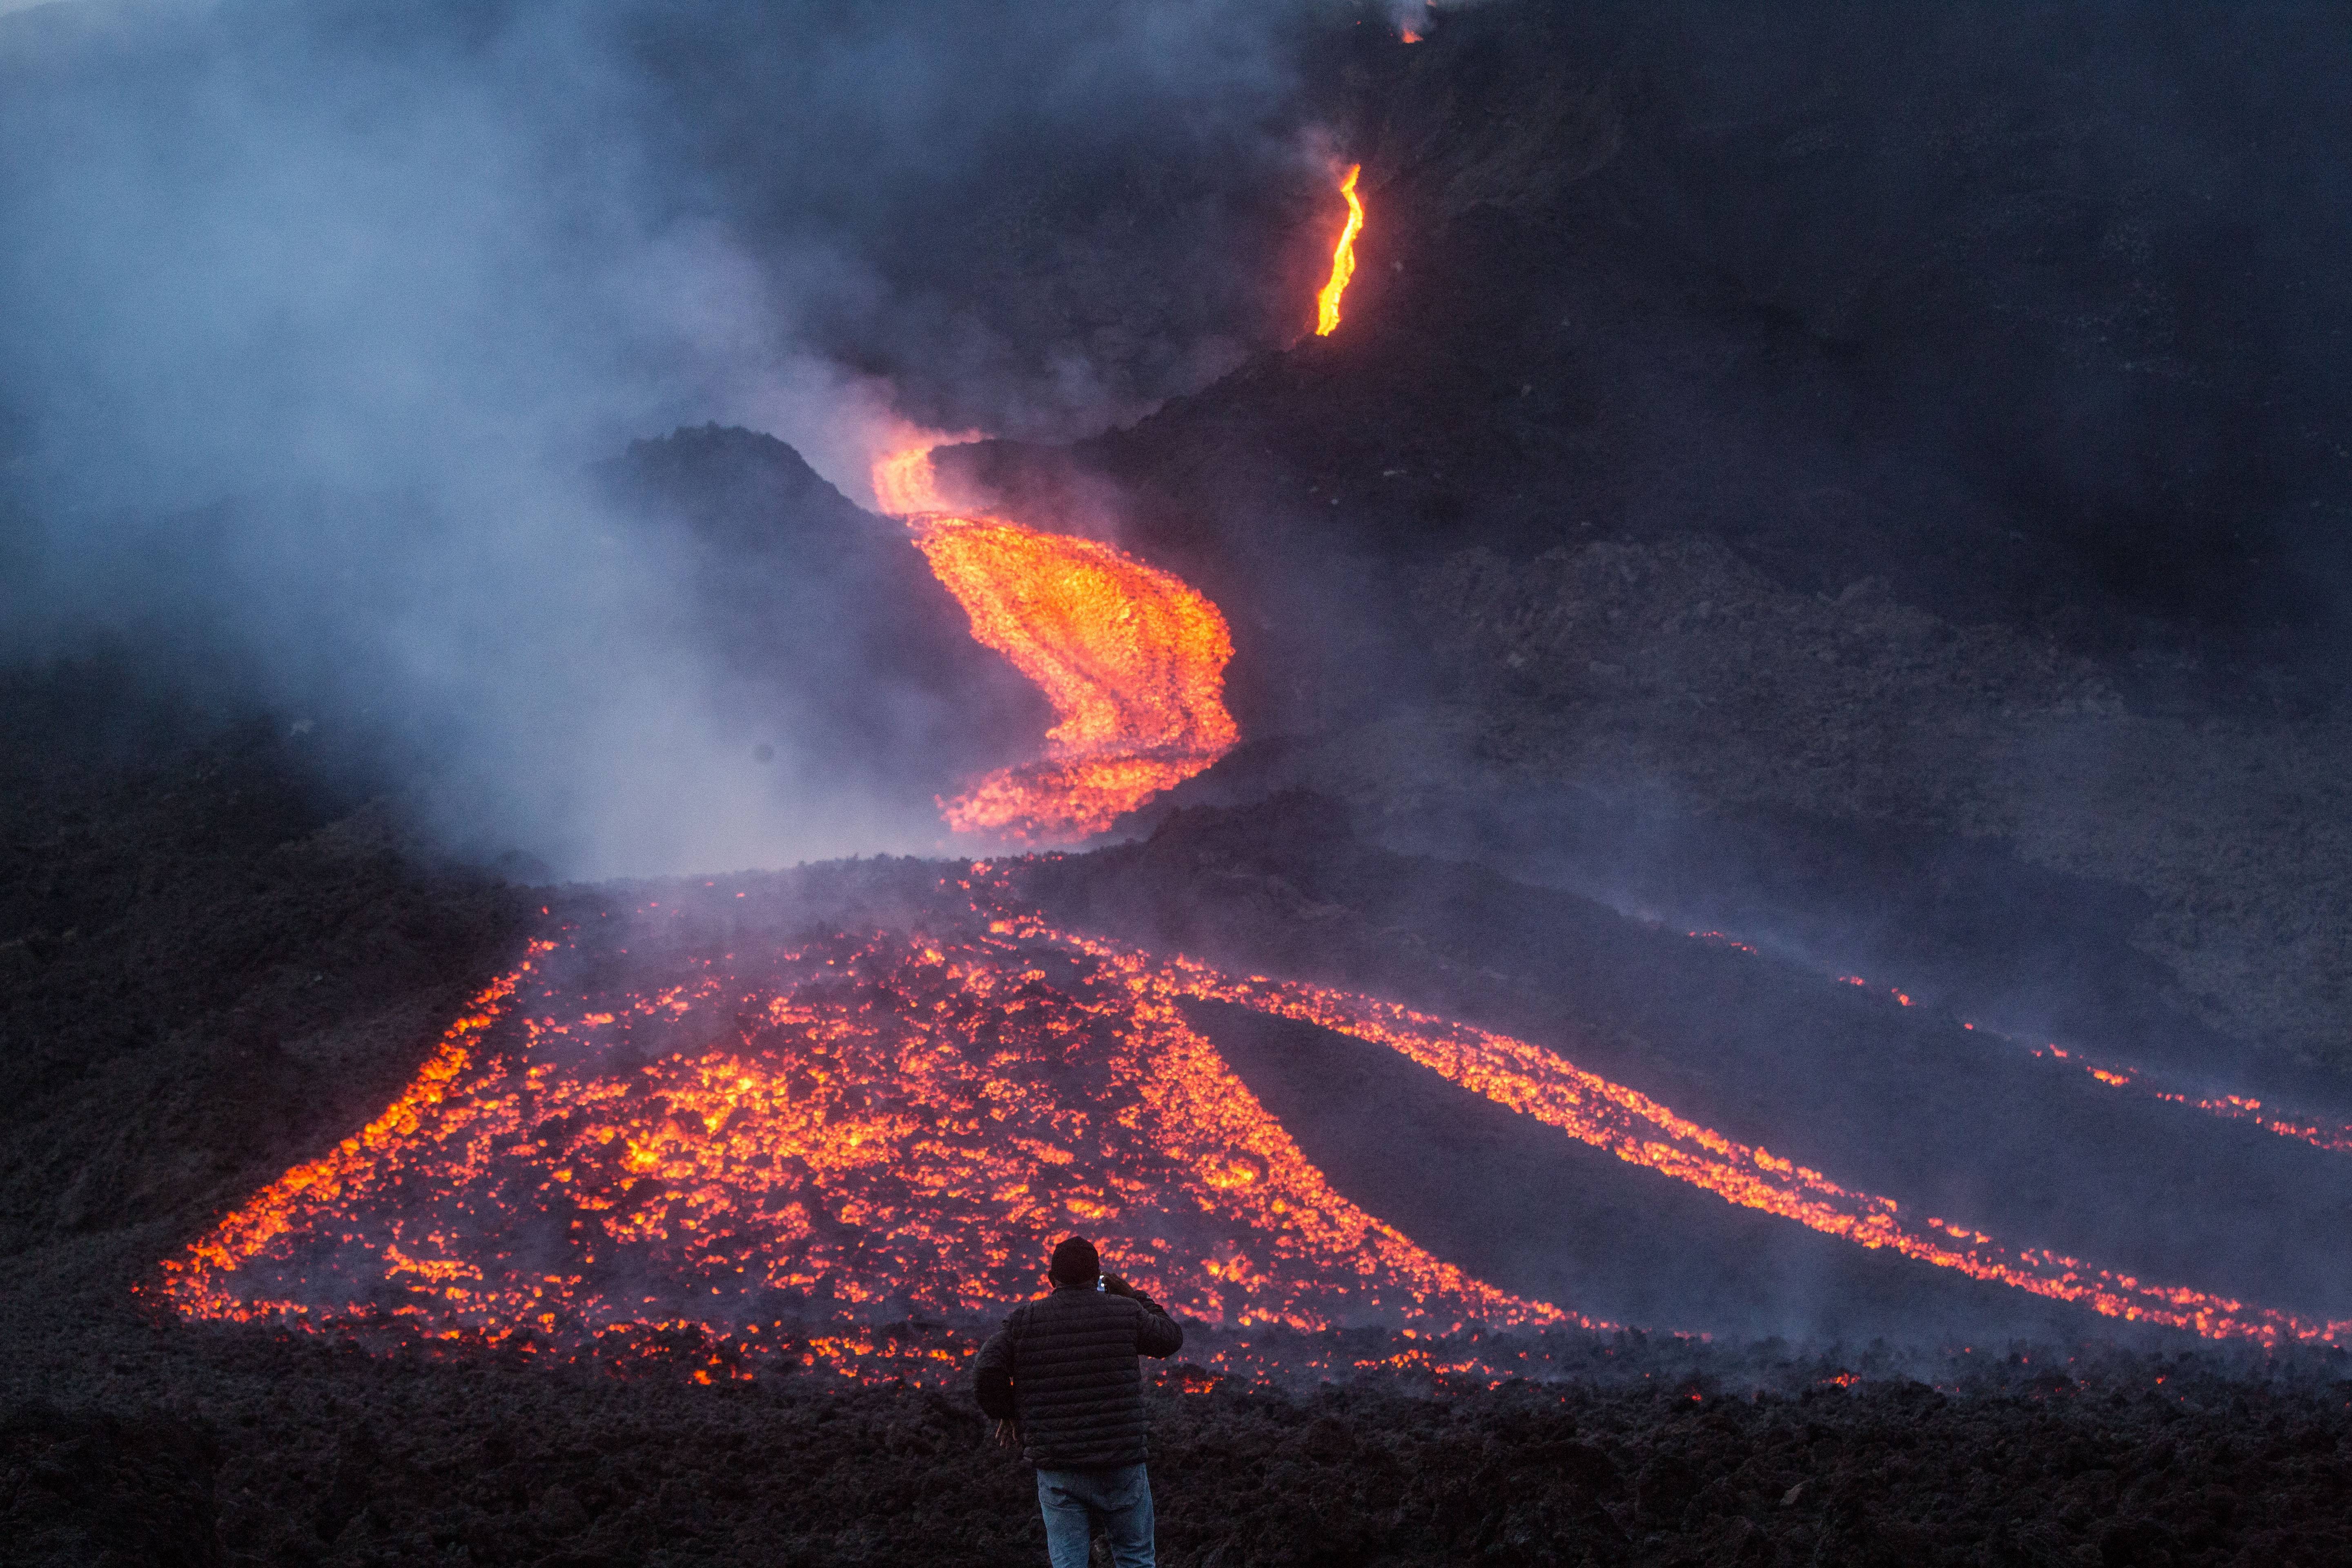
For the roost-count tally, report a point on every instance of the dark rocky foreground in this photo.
(256, 1451)
(226, 965)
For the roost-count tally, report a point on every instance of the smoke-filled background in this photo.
(1807, 583)
(314, 321)
(325, 333)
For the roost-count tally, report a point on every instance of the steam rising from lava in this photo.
(1132, 659)
(316, 316)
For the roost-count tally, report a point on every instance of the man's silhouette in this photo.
(1063, 1371)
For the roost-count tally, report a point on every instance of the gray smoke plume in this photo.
(313, 318)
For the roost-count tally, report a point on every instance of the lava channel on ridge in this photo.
(1343, 254)
(851, 1151)
(1131, 658)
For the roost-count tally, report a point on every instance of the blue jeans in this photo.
(1073, 1499)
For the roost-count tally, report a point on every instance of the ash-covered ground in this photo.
(1862, 485)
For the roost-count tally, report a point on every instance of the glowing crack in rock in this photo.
(1343, 255)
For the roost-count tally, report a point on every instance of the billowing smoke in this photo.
(315, 320)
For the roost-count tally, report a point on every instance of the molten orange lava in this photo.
(1533, 1081)
(785, 1154)
(2334, 1137)
(1343, 256)
(1132, 659)
(905, 483)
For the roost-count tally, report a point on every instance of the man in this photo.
(1063, 1369)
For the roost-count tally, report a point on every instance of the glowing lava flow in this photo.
(778, 1155)
(782, 1153)
(1132, 659)
(2334, 1137)
(1535, 1083)
(1343, 257)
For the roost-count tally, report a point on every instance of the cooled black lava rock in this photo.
(113, 1490)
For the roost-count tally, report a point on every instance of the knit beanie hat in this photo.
(1076, 1261)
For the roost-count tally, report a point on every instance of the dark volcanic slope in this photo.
(828, 621)
(1891, 1100)
(210, 962)
(1756, 441)
(2019, 307)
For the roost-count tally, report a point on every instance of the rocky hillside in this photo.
(1871, 460)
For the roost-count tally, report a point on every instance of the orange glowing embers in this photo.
(783, 1155)
(1132, 659)
(1537, 1082)
(2334, 1137)
(1343, 256)
(2319, 1132)
(810, 1154)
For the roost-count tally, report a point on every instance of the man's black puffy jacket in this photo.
(1064, 1365)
